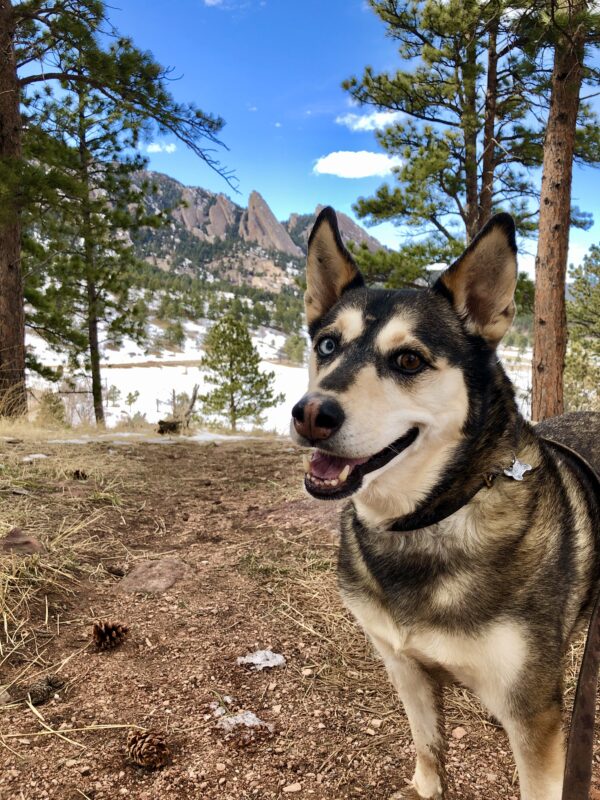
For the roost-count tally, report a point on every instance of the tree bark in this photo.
(550, 319)
(88, 254)
(13, 400)
(489, 127)
(95, 354)
(469, 125)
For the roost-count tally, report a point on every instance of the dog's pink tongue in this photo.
(328, 467)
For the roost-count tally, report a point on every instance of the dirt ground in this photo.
(259, 573)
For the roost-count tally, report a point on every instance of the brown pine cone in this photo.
(148, 749)
(42, 690)
(108, 635)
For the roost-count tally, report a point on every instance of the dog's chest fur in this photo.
(453, 608)
(497, 651)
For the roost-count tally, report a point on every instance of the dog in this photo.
(470, 548)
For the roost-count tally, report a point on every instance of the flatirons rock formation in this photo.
(259, 225)
(210, 234)
(206, 216)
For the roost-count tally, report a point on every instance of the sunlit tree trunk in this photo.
(550, 321)
(12, 325)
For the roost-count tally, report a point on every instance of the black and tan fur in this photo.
(491, 594)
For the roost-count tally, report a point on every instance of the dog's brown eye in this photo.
(409, 362)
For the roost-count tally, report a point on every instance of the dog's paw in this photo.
(410, 793)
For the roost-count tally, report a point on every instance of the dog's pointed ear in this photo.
(481, 283)
(330, 269)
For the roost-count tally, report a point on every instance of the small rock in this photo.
(370, 732)
(221, 767)
(458, 733)
(276, 709)
(153, 577)
(491, 777)
(376, 723)
(308, 672)
(5, 698)
(71, 762)
(292, 788)
(84, 770)
(17, 541)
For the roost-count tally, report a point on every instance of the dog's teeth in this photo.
(334, 482)
(344, 473)
(306, 462)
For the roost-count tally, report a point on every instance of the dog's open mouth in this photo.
(328, 476)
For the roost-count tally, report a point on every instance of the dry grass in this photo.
(69, 517)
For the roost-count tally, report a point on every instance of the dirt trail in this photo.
(259, 574)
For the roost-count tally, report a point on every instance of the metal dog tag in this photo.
(517, 470)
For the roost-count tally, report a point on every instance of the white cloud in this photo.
(252, 108)
(368, 122)
(356, 164)
(213, 2)
(157, 147)
(278, 124)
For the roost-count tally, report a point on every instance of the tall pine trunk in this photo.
(469, 125)
(13, 400)
(94, 349)
(550, 319)
(89, 266)
(486, 195)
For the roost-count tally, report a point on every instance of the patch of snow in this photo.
(33, 457)
(246, 719)
(262, 659)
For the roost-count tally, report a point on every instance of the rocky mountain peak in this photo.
(259, 224)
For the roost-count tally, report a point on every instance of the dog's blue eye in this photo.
(327, 346)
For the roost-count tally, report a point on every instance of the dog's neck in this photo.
(443, 475)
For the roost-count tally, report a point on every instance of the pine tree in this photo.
(232, 363)
(295, 348)
(570, 29)
(582, 365)
(50, 44)
(394, 269)
(89, 257)
(584, 308)
(472, 98)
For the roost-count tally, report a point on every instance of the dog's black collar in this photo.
(424, 518)
(430, 513)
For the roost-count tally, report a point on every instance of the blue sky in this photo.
(273, 70)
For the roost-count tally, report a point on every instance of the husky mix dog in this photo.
(470, 550)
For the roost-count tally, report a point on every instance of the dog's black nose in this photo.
(317, 418)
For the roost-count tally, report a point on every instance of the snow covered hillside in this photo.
(132, 369)
(155, 377)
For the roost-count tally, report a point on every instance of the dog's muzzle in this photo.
(317, 418)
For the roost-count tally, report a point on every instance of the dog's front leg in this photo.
(421, 697)
(538, 746)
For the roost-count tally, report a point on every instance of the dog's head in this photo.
(394, 376)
